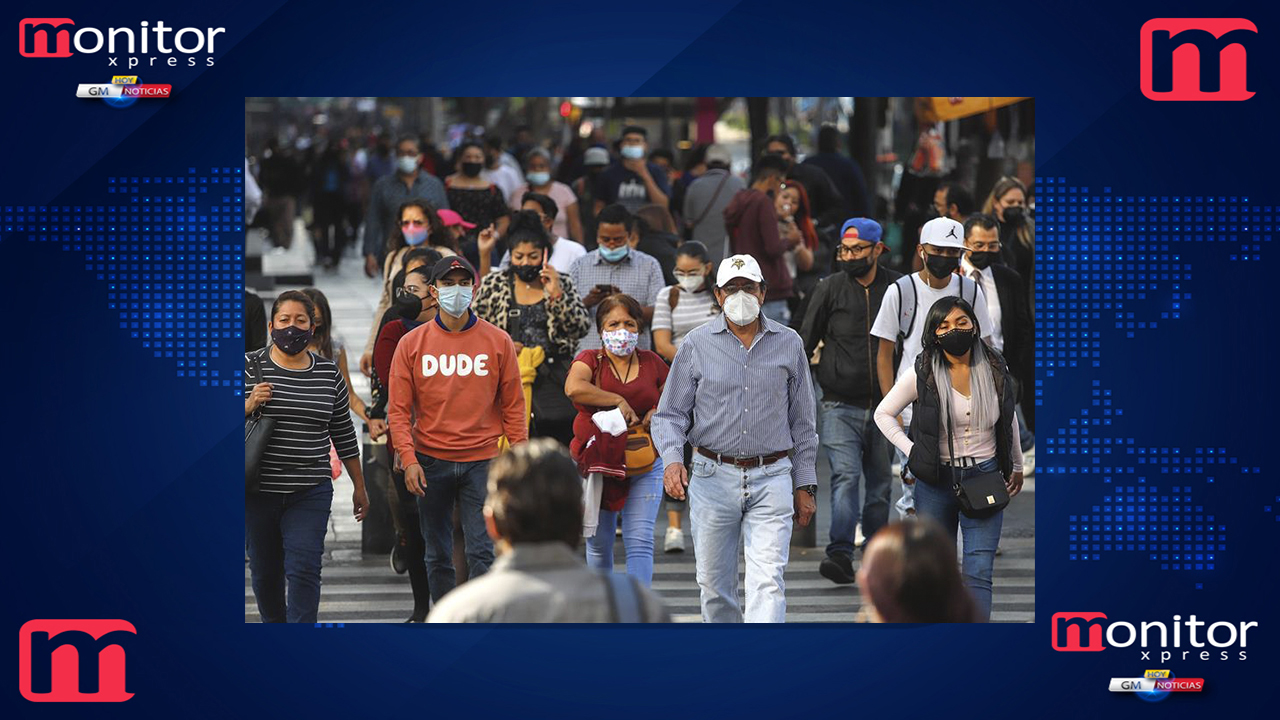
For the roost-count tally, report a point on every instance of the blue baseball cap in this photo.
(865, 229)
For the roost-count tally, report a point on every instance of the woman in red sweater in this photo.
(620, 376)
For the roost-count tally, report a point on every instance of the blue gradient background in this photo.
(125, 501)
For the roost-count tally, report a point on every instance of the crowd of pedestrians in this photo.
(554, 359)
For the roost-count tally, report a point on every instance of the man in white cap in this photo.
(706, 199)
(900, 322)
(739, 392)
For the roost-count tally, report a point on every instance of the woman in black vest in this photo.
(963, 426)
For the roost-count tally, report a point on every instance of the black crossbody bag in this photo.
(257, 433)
(979, 496)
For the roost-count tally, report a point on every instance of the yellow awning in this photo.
(935, 109)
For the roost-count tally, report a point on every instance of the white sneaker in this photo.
(674, 542)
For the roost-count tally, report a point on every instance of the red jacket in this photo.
(752, 224)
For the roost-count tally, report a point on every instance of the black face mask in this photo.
(982, 260)
(856, 268)
(957, 342)
(940, 266)
(527, 273)
(408, 306)
(291, 340)
(1015, 215)
(472, 169)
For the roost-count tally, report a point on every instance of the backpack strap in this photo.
(907, 307)
(624, 598)
(673, 299)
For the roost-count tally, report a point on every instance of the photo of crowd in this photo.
(640, 359)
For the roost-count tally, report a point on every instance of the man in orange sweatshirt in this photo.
(454, 391)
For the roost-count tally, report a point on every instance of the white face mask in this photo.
(742, 308)
(691, 283)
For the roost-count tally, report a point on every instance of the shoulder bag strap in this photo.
(707, 210)
(511, 317)
(258, 374)
(902, 300)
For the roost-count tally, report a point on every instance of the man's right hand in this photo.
(415, 481)
(366, 364)
(675, 479)
(594, 297)
(370, 268)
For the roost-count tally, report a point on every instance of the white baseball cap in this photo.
(743, 266)
(942, 232)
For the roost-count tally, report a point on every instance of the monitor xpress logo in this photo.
(1197, 59)
(74, 660)
(143, 46)
(1084, 632)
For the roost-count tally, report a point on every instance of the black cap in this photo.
(453, 262)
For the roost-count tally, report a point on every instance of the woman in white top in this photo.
(962, 389)
(679, 309)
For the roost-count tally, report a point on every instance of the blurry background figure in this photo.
(909, 575)
(534, 515)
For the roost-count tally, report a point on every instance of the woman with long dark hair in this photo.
(963, 426)
(538, 307)
(1008, 202)
(286, 519)
(416, 222)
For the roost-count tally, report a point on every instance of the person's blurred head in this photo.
(1008, 201)
(693, 268)
(654, 218)
(784, 147)
(613, 231)
(666, 160)
(322, 335)
(537, 167)
(828, 139)
(595, 159)
(952, 200)
(419, 257)
(469, 159)
(634, 142)
(768, 173)
(544, 206)
(492, 151)
(982, 240)
(909, 574)
(408, 155)
(718, 156)
(535, 496)
(414, 300)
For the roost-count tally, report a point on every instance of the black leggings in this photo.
(411, 544)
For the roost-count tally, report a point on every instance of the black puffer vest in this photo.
(926, 417)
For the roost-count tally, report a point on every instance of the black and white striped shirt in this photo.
(311, 410)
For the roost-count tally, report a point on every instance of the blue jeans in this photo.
(980, 536)
(467, 483)
(285, 537)
(638, 516)
(726, 505)
(856, 450)
(778, 311)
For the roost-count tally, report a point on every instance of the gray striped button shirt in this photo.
(746, 402)
(638, 275)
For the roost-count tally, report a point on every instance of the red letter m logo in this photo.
(1196, 59)
(1069, 632)
(74, 660)
(40, 37)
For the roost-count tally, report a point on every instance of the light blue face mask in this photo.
(538, 178)
(614, 254)
(454, 299)
(633, 152)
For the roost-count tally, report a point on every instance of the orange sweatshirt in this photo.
(453, 394)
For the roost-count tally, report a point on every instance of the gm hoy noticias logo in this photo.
(1197, 59)
(75, 660)
(1189, 639)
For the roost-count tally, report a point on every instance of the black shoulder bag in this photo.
(257, 433)
(548, 401)
(979, 496)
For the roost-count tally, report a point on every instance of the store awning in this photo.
(941, 109)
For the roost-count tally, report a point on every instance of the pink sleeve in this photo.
(900, 396)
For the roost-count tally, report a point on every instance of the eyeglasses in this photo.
(751, 288)
(415, 223)
(854, 250)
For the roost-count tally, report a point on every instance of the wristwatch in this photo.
(811, 489)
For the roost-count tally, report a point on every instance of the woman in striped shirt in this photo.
(285, 521)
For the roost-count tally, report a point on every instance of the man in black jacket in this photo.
(840, 314)
(1014, 331)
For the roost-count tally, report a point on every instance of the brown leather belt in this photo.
(744, 462)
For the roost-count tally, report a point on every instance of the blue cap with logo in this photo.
(864, 229)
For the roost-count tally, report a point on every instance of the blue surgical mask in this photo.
(633, 152)
(414, 236)
(538, 178)
(455, 299)
(614, 254)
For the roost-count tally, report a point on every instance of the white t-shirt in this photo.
(887, 322)
(692, 310)
(563, 253)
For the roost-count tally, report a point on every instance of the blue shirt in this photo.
(746, 401)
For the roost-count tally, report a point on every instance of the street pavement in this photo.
(364, 589)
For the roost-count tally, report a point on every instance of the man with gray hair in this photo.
(534, 515)
(739, 391)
